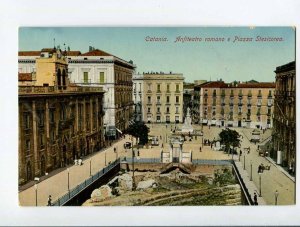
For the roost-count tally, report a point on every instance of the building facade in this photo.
(97, 68)
(138, 86)
(58, 122)
(284, 134)
(236, 105)
(162, 98)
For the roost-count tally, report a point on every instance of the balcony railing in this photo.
(54, 89)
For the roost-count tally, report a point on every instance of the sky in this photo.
(237, 57)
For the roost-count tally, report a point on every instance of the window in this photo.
(240, 110)
(158, 118)
(149, 87)
(85, 77)
(168, 87)
(101, 77)
(168, 99)
(259, 102)
(158, 87)
(177, 87)
(51, 115)
(158, 109)
(149, 109)
(177, 109)
(40, 116)
(52, 136)
(177, 99)
(158, 99)
(27, 146)
(26, 121)
(41, 140)
(149, 99)
(168, 110)
(269, 111)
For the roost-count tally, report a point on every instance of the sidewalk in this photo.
(59, 170)
(249, 184)
(58, 184)
(281, 169)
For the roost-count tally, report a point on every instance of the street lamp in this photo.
(133, 181)
(251, 170)
(259, 184)
(68, 170)
(35, 188)
(276, 196)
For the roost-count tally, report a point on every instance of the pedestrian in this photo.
(49, 201)
(255, 199)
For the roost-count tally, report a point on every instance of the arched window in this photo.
(58, 79)
(28, 172)
(64, 79)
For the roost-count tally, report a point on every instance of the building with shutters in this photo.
(58, 121)
(97, 68)
(284, 133)
(248, 104)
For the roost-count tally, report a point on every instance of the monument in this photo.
(187, 127)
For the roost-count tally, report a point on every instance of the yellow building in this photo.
(236, 105)
(58, 122)
(162, 99)
(284, 134)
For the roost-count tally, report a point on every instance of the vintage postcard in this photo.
(156, 116)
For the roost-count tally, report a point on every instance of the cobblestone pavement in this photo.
(271, 180)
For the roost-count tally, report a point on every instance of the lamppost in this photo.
(276, 196)
(259, 184)
(91, 167)
(35, 188)
(133, 181)
(244, 161)
(251, 170)
(68, 170)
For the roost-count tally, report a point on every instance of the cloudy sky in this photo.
(238, 57)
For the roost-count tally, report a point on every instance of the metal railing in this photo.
(80, 187)
(143, 160)
(211, 162)
(242, 184)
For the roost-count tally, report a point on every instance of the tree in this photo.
(139, 130)
(229, 138)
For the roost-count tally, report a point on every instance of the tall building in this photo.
(247, 104)
(138, 86)
(58, 122)
(284, 133)
(97, 68)
(188, 90)
(162, 98)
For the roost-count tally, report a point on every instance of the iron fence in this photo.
(79, 188)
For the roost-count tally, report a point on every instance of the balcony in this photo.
(249, 94)
(240, 95)
(240, 104)
(23, 90)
